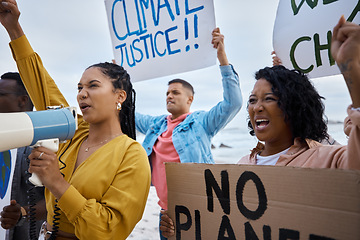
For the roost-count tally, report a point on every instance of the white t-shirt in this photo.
(269, 160)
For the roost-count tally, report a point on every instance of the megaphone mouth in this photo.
(26, 128)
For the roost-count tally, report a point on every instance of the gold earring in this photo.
(118, 106)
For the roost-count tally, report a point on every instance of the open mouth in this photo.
(84, 106)
(261, 123)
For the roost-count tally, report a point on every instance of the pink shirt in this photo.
(164, 151)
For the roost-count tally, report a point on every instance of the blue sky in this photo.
(71, 35)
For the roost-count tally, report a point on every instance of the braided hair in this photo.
(121, 80)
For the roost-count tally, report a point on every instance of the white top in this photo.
(271, 159)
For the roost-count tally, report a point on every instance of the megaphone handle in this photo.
(51, 144)
(34, 179)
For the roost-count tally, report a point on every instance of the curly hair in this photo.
(299, 100)
(121, 80)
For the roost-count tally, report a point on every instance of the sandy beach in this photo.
(148, 227)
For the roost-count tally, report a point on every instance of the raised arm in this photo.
(9, 18)
(218, 43)
(40, 86)
(221, 114)
(345, 49)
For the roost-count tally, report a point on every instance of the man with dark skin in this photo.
(14, 98)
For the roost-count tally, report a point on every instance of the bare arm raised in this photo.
(345, 49)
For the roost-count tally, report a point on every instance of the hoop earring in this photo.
(118, 106)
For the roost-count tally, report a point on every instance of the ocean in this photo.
(231, 143)
(238, 142)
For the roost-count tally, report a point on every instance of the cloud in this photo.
(71, 35)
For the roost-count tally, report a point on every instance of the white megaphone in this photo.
(38, 128)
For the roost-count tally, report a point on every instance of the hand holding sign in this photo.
(166, 225)
(276, 59)
(218, 43)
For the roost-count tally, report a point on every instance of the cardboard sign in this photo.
(155, 38)
(303, 30)
(227, 201)
(7, 165)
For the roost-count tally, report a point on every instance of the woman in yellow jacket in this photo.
(101, 190)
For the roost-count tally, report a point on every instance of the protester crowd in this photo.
(102, 190)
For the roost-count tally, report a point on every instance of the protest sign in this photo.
(302, 33)
(155, 38)
(228, 201)
(7, 165)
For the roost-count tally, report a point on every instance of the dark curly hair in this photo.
(121, 80)
(299, 100)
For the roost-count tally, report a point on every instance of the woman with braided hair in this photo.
(122, 81)
(101, 188)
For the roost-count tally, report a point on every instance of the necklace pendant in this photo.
(86, 149)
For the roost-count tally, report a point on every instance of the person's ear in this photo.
(190, 100)
(22, 102)
(121, 95)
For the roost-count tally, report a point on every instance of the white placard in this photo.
(155, 38)
(302, 33)
(7, 166)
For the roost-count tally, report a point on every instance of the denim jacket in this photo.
(192, 137)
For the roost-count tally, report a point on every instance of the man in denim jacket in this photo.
(183, 136)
